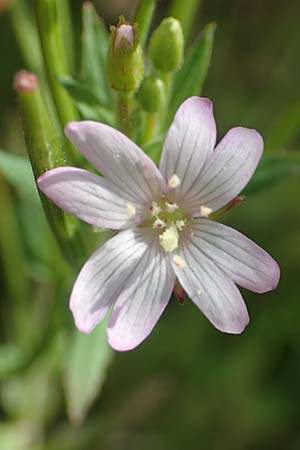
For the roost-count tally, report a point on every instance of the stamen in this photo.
(205, 211)
(179, 261)
(180, 224)
(131, 211)
(171, 207)
(169, 239)
(158, 223)
(174, 181)
(155, 209)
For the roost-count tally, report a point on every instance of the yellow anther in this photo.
(205, 211)
(169, 239)
(179, 261)
(174, 181)
(131, 211)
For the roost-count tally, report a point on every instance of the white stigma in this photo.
(205, 211)
(169, 239)
(174, 181)
(171, 207)
(179, 261)
(131, 211)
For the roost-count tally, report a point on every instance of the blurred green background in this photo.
(188, 386)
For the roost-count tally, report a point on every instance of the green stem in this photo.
(54, 53)
(46, 151)
(26, 35)
(150, 127)
(126, 110)
(186, 12)
(67, 34)
(167, 80)
(143, 17)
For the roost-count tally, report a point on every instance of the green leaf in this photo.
(87, 101)
(94, 50)
(84, 375)
(189, 80)
(16, 169)
(272, 170)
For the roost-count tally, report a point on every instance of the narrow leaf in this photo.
(189, 80)
(84, 375)
(94, 51)
(87, 101)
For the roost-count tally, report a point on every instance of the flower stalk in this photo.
(143, 17)
(46, 151)
(55, 54)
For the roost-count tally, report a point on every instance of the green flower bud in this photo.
(152, 94)
(45, 152)
(167, 46)
(125, 64)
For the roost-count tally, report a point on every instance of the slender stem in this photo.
(186, 13)
(126, 111)
(143, 17)
(67, 33)
(150, 127)
(54, 53)
(46, 151)
(26, 35)
(167, 80)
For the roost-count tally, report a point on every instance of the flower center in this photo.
(170, 220)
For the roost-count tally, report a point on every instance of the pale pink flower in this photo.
(164, 229)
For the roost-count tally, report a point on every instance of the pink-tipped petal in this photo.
(142, 299)
(245, 262)
(227, 171)
(90, 197)
(104, 275)
(117, 158)
(189, 142)
(210, 288)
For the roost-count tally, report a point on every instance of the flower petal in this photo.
(143, 298)
(104, 275)
(246, 263)
(227, 171)
(90, 197)
(209, 287)
(188, 144)
(117, 158)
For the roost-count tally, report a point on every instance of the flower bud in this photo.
(45, 152)
(152, 94)
(125, 63)
(167, 46)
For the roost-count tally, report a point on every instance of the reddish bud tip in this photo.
(26, 82)
(179, 292)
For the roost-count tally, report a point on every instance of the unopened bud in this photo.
(125, 63)
(167, 46)
(152, 94)
(25, 82)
